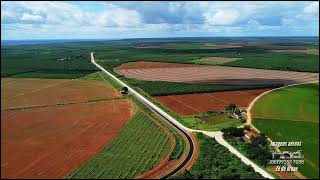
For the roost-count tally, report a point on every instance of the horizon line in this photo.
(156, 38)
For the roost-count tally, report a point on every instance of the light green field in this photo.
(139, 147)
(292, 114)
(210, 123)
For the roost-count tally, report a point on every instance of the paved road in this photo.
(217, 135)
(175, 123)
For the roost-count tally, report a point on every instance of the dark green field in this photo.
(279, 61)
(160, 88)
(292, 114)
(76, 55)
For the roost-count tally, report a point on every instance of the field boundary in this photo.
(249, 117)
(296, 120)
(62, 104)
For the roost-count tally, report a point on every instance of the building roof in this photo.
(250, 134)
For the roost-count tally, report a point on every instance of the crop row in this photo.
(139, 147)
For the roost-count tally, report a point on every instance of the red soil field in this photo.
(217, 75)
(31, 92)
(222, 46)
(148, 64)
(50, 142)
(191, 104)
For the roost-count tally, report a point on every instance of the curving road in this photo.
(217, 135)
(166, 116)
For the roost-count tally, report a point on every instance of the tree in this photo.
(237, 112)
(231, 107)
(247, 127)
(233, 131)
(124, 90)
(261, 139)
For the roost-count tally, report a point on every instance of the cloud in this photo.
(312, 8)
(30, 17)
(158, 18)
(222, 17)
(118, 18)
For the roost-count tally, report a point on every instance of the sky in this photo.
(117, 20)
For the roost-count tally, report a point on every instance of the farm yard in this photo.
(292, 114)
(218, 75)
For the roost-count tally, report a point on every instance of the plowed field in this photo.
(32, 92)
(50, 142)
(190, 104)
(217, 75)
(307, 51)
(146, 65)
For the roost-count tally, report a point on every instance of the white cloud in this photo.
(55, 13)
(222, 17)
(127, 18)
(312, 8)
(30, 17)
(118, 18)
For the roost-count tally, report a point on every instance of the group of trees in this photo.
(258, 150)
(232, 132)
(234, 109)
(216, 162)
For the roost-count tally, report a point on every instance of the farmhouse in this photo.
(250, 134)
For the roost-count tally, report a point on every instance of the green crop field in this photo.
(216, 162)
(76, 55)
(139, 147)
(279, 61)
(210, 123)
(160, 88)
(292, 114)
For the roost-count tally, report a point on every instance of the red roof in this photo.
(251, 134)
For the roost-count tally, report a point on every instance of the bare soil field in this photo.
(191, 104)
(307, 51)
(147, 64)
(222, 46)
(218, 59)
(50, 142)
(31, 92)
(152, 46)
(216, 74)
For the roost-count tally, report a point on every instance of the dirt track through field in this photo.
(191, 104)
(217, 75)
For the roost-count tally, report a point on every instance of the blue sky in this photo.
(114, 20)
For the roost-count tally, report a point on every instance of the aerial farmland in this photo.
(73, 100)
(159, 90)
